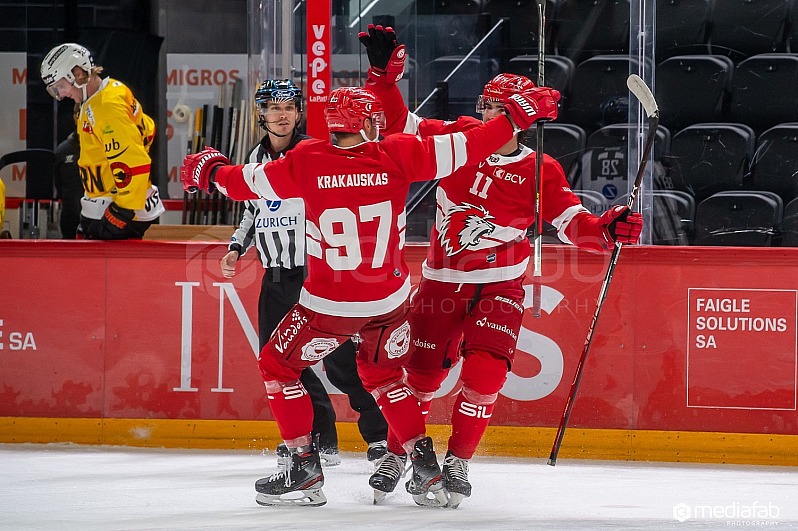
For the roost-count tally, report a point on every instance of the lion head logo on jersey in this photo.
(463, 226)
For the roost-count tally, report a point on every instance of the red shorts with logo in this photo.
(304, 337)
(449, 319)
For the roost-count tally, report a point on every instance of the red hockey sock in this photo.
(401, 410)
(293, 411)
(469, 422)
(394, 446)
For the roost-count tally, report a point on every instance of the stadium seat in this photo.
(739, 218)
(742, 28)
(599, 95)
(790, 225)
(604, 166)
(673, 216)
(682, 27)
(466, 84)
(710, 157)
(763, 91)
(691, 89)
(558, 72)
(617, 135)
(564, 142)
(792, 38)
(523, 25)
(586, 28)
(449, 7)
(775, 164)
(438, 36)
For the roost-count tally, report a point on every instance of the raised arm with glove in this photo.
(386, 56)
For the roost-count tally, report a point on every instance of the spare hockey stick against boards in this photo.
(638, 87)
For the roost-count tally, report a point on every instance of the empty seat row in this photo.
(689, 89)
(758, 91)
(744, 218)
(737, 218)
(579, 29)
(701, 159)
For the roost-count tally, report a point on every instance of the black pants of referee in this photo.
(279, 292)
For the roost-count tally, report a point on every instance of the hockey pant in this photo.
(304, 337)
(479, 322)
(278, 293)
(341, 369)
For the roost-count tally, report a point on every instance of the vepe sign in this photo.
(318, 67)
(741, 351)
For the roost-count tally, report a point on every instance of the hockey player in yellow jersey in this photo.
(119, 202)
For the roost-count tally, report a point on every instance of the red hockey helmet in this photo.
(348, 107)
(501, 87)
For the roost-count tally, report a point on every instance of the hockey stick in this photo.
(537, 273)
(642, 93)
(189, 151)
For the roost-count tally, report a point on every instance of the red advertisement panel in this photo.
(152, 330)
(319, 66)
(741, 348)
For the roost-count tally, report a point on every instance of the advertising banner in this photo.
(152, 330)
(13, 86)
(319, 66)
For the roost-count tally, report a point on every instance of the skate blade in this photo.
(308, 498)
(455, 498)
(330, 459)
(436, 496)
(379, 496)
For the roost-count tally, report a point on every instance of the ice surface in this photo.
(66, 487)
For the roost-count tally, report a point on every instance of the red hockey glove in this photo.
(198, 169)
(619, 224)
(386, 56)
(538, 103)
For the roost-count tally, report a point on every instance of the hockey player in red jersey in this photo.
(358, 281)
(470, 299)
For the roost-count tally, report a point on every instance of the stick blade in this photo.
(643, 93)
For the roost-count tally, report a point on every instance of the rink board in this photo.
(694, 357)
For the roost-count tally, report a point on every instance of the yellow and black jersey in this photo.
(115, 137)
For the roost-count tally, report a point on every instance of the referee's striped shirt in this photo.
(275, 227)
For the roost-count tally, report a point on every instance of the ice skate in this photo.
(376, 451)
(390, 468)
(426, 483)
(329, 456)
(299, 484)
(455, 479)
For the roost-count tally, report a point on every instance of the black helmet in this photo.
(278, 90)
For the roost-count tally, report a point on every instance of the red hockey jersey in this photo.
(484, 209)
(355, 216)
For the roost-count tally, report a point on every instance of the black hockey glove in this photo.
(115, 223)
(386, 56)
